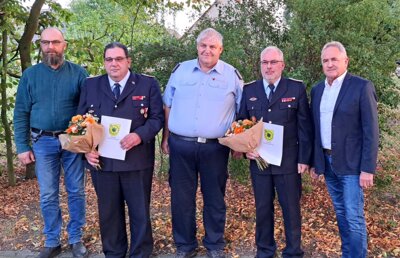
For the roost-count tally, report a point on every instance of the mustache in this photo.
(52, 58)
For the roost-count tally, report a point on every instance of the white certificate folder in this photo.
(115, 129)
(271, 146)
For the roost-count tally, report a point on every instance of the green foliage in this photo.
(239, 170)
(96, 23)
(159, 58)
(369, 30)
(248, 27)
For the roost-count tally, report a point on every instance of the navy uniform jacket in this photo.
(141, 93)
(355, 132)
(289, 107)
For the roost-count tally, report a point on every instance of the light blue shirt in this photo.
(121, 83)
(267, 89)
(203, 104)
(328, 102)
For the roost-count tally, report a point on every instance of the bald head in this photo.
(53, 46)
(52, 32)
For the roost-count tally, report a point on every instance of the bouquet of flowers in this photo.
(245, 136)
(83, 134)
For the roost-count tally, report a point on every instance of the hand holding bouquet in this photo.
(83, 134)
(245, 136)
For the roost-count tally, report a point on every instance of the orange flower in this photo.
(238, 130)
(247, 122)
(89, 120)
(74, 128)
(78, 124)
(76, 118)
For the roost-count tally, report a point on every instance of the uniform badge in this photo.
(253, 99)
(143, 111)
(138, 97)
(284, 100)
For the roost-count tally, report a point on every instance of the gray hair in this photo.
(335, 44)
(209, 33)
(269, 48)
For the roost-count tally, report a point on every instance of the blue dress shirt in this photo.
(203, 104)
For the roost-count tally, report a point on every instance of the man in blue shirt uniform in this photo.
(281, 101)
(200, 102)
(123, 94)
(47, 98)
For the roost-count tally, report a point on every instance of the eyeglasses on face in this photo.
(272, 62)
(53, 42)
(116, 59)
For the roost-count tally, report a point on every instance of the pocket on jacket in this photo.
(254, 109)
(353, 152)
(290, 108)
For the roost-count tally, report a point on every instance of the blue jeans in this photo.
(348, 200)
(49, 159)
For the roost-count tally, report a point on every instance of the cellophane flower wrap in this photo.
(83, 134)
(245, 136)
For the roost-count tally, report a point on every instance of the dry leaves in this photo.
(21, 224)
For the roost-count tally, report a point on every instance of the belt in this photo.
(194, 139)
(47, 133)
(327, 151)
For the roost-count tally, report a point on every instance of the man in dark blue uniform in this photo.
(123, 94)
(279, 101)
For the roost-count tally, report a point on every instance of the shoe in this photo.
(183, 254)
(49, 252)
(79, 250)
(216, 254)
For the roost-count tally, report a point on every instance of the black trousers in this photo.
(288, 187)
(189, 161)
(113, 190)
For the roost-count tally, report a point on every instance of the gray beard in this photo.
(52, 60)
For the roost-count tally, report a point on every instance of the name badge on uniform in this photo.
(253, 99)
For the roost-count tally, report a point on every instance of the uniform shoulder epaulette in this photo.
(151, 76)
(296, 80)
(248, 83)
(239, 75)
(176, 67)
(93, 76)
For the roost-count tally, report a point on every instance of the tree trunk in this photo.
(4, 105)
(31, 26)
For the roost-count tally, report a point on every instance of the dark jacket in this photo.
(355, 132)
(141, 95)
(289, 107)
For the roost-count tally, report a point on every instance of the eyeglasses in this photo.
(272, 62)
(117, 59)
(53, 42)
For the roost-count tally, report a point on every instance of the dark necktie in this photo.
(271, 92)
(117, 90)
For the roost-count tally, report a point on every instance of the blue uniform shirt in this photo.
(202, 104)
